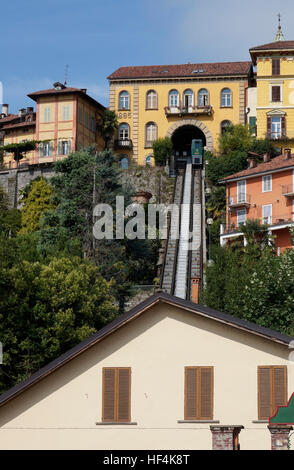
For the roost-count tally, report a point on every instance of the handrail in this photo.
(189, 264)
(178, 239)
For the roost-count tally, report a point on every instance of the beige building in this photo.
(157, 377)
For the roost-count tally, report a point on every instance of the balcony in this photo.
(272, 221)
(288, 190)
(188, 110)
(276, 135)
(124, 143)
(241, 200)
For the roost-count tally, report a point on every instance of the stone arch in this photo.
(196, 123)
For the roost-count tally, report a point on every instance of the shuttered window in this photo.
(272, 389)
(198, 393)
(275, 66)
(116, 406)
(276, 93)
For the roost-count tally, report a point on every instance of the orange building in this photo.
(263, 192)
(65, 120)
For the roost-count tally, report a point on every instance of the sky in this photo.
(95, 37)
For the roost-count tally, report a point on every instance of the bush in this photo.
(162, 149)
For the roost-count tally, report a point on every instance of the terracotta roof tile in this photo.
(19, 124)
(274, 164)
(183, 70)
(274, 45)
(8, 118)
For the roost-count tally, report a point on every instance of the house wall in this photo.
(138, 116)
(60, 412)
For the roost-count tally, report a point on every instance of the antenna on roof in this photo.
(279, 35)
(66, 74)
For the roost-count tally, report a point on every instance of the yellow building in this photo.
(65, 119)
(185, 102)
(275, 90)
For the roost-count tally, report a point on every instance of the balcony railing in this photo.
(190, 110)
(272, 221)
(241, 200)
(276, 135)
(124, 143)
(288, 190)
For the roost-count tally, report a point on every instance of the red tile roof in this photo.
(8, 118)
(274, 164)
(19, 124)
(184, 70)
(277, 45)
(66, 90)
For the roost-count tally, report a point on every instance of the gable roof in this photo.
(264, 167)
(276, 45)
(160, 297)
(182, 70)
(63, 91)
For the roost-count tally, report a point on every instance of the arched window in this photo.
(188, 98)
(124, 100)
(151, 99)
(224, 126)
(203, 97)
(150, 134)
(124, 162)
(226, 98)
(173, 98)
(148, 160)
(124, 131)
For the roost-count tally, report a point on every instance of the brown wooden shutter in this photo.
(283, 125)
(206, 393)
(269, 125)
(276, 93)
(123, 400)
(264, 392)
(275, 66)
(279, 387)
(191, 404)
(108, 413)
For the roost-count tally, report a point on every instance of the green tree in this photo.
(162, 150)
(38, 200)
(20, 149)
(237, 137)
(10, 219)
(107, 126)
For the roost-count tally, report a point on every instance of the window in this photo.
(65, 113)
(252, 124)
(272, 389)
(266, 183)
(148, 161)
(124, 162)
(93, 124)
(46, 149)
(64, 147)
(267, 214)
(276, 126)
(47, 114)
(241, 191)
(173, 98)
(151, 99)
(124, 132)
(198, 393)
(224, 126)
(276, 93)
(86, 120)
(188, 98)
(124, 100)
(275, 66)
(241, 217)
(116, 393)
(203, 98)
(151, 133)
(80, 115)
(226, 98)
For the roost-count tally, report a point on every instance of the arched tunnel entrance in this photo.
(182, 139)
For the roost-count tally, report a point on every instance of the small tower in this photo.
(279, 35)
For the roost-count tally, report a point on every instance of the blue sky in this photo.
(95, 37)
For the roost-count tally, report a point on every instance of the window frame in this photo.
(150, 141)
(116, 393)
(225, 94)
(190, 93)
(261, 418)
(264, 179)
(154, 99)
(173, 93)
(127, 128)
(276, 61)
(267, 217)
(199, 95)
(47, 114)
(223, 128)
(239, 222)
(276, 85)
(198, 394)
(125, 97)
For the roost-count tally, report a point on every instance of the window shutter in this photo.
(283, 125)
(59, 147)
(279, 387)
(191, 404)
(206, 393)
(264, 392)
(123, 406)
(155, 104)
(269, 125)
(69, 146)
(51, 144)
(41, 149)
(108, 395)
(275, 66)
(276, 93)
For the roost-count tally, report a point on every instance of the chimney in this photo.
(21, 112)
(287, 154)
(5, 109)
(252, 162)
(266, 157)
(84, 90)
